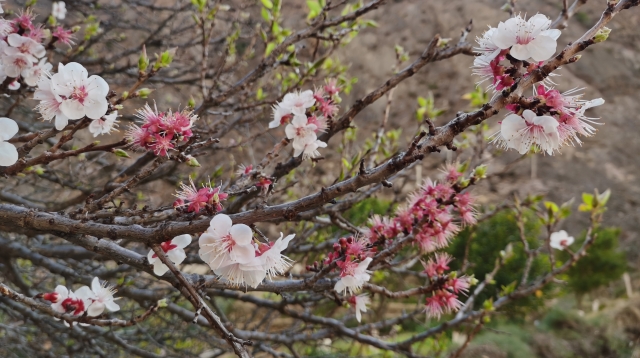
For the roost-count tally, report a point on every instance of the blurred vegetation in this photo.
(603, 264)
(486, 241)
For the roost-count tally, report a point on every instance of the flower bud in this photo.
(191, 103)
(162, 303)
(480, 172)
(51, 297)
(192, 162)
(143, 92)
(121, 153)
(143, 61)
(602, 35)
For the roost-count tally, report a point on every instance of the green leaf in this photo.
(270, 47)
(422, 102)
(551, 206)
(314, 8)
(268, 4)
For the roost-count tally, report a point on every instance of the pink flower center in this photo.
(24, 48)
(228, 242)
(20, 62)
(79, 94)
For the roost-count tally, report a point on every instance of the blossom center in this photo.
(79, 94)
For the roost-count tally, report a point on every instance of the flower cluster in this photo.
(90, 301)
(73, 94)
(22, 53)
(8, 152)
(549, 119)
(306, 114)
(232, 253)
(555, 120)
(431, 212)
(518, 40)
(444, 299)
(207, 198)
(174, 250)
(160, 132)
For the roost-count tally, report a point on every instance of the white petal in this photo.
(95, 309)
(112, 306)
(504, 37)
(72, 109)
(299, 120)
(520, 52)
(537, 24)
(159, 268)
(243, 254)
(61, 121)
(8, 154)
(8, 128)
(290, 131)
(85, 293)
(182, 241)
(95, 108)
(549, 124)
(176, 256)
(541, 48)
(220, 225)
(95, 285)
(253, 278)
(97, 87)
(241, 234)
(62, 291)
(553, 33)
(207, 239)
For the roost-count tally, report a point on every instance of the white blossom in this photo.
(279, 113)
(527, 39)
(486, 47)
(228, 249)
(49, 106)
(59, 10)
(174, 250)
(103, 125)
(560, 240)
(298, 102)
(310, 150)
(32, 75)
(353, 281)
(99, 296)
(8, 152)
(26, 46)
(521, 132)
(271, 256)
(80, 95)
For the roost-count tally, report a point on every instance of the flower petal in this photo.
(176, 256)
(541, 48)
(241, 234)
(8, 128)
(159, 268)
(520, 52)
(220, 225)
(8, 154)
(182, 241)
